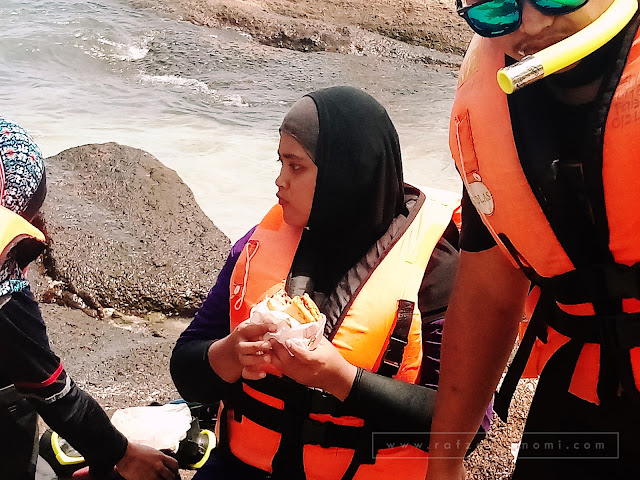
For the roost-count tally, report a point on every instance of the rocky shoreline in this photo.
(130, 257)
(126, 234)
(375, 27)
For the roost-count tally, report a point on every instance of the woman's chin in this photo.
(294, 220)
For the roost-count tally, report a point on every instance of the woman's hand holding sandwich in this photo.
(324, 367)
(242, 353)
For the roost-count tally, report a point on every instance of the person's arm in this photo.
(191, 372)
(207, 357)
(479, 334)
(37, 373)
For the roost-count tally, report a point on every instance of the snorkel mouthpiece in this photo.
(516, 76)
(570, 50)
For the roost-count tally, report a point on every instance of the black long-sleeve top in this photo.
(27, 361)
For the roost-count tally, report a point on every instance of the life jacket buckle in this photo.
(315, 433)
(622, 281)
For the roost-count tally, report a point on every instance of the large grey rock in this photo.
(125, 232)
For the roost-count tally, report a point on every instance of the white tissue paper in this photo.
(307, 335)
(161, 427)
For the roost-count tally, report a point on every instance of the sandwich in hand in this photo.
(300, 307)
(297, 319)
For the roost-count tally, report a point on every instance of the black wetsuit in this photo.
(32, 380)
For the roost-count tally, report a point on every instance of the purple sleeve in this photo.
(211, 321)
(190, 370)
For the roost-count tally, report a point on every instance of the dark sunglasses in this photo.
(492, 18)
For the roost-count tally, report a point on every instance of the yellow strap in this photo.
(14, 229)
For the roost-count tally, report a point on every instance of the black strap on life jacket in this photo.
(617, 332)
(392, 357)
(596, 283)
(535, 329)
(391, 361)
(298, 429)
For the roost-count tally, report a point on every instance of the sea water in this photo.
(206, 102)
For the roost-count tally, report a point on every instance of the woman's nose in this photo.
(533, 20)
(280, 182)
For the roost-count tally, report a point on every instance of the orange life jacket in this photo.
(18, 238)
(483, 145)
(384, 308)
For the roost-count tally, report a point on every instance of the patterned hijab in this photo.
(22, 168)
(22, 189)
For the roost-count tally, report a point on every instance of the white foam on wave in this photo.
(136, 51)
(234, 101)
(175, 80)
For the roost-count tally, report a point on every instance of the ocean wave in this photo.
(234, 101)
(176, 80)
(136, 51)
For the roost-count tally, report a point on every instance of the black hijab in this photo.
(359, 187)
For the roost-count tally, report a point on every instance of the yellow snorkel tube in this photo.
(570, 50)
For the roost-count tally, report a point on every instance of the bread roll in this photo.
(302, 308)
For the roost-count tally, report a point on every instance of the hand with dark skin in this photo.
(241, 353)
(145, 463)
(324, 367)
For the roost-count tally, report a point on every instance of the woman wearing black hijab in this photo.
(344, 231)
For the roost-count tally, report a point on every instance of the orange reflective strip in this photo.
(263, 397)
(347, 421)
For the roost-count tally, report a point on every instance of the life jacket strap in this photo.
(596, 283)
(617, 331)
(363, 455)
(392, 357)
(535, 329)
(617, 334)
(313, 432)
(325, 434)
(318, 400)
